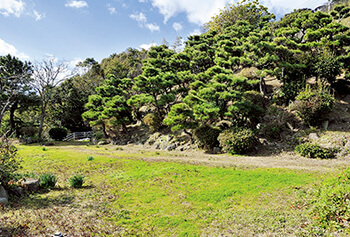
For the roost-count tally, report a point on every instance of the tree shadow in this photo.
(34, 201)
(10, 231)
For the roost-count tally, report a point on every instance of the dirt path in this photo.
(284, 160)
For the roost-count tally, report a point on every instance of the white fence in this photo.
(78, 136)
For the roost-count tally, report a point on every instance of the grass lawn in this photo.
(126, 194)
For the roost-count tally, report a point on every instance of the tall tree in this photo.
(14, 85)
(47, 74)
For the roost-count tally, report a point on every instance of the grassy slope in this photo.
(125, 195)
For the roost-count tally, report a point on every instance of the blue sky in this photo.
(73, 30)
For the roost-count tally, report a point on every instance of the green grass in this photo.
(137, 197)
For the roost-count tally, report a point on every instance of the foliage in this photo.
(330, 203)
(311, 150)
(246, 10)
(314, 105)
(237, 140)
(58, 133)
(206, 136)
(15, 87)
(76, 181)
(47, 181)
(9, 162)
(90, 158)
(153, 121)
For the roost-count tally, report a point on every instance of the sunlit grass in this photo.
(157, 198)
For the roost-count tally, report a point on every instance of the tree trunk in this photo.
(42, 117)
(262, 86)
(12, 117)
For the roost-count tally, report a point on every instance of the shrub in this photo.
(315, 151)
(76, 181)
(90, 158)
(330, 203)
(237, 140)
(314, 106)
(153, 121)
(9, 163)
(47, 181)
(58, 133)
(206, 136)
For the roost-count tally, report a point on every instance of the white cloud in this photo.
(6, 48)
(76, 4)
(38, 16)
(177, 26)
(201, 11)
(152, 27)
(11, 7)
(111, 9)
(147, 46)
(143, 22)
(195, 32)
(140, 17)
(198, 11)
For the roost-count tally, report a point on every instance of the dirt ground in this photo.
(288, 160)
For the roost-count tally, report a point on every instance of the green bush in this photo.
(58, 133)
(237, 140)
(47, 181)
(153, 121)
(9, 163)
(76, 181)
(315, 151)
(314, 106)
(206, 137)
(90, 158)
(330, 203)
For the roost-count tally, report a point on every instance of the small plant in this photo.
(76, 181)
(314, 106)
(47, 181)
(90, 158)
(58, 133)
(237, 140)
(311, 150)
(44, 149)
(9, 163)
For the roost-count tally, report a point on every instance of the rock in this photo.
(172, 147)
(156, 145)
(313, 136)
(325, 125)
(347, 146)
(4, 197)
(31, 185)
(100, 143)
(216, 150)
(19, 192)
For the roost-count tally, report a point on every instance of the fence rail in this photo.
(78, 136)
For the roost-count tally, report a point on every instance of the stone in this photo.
(216, 150)
(4, 197)
(100, 143)
(313, 136)
(172, 147)
(19, 191)
(31, 185)
(325, 125)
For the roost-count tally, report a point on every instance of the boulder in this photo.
(31, 185)
(313, 136)
(4, 197)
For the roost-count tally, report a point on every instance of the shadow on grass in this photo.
(59, 143)
(18, 231)
(34, 201)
